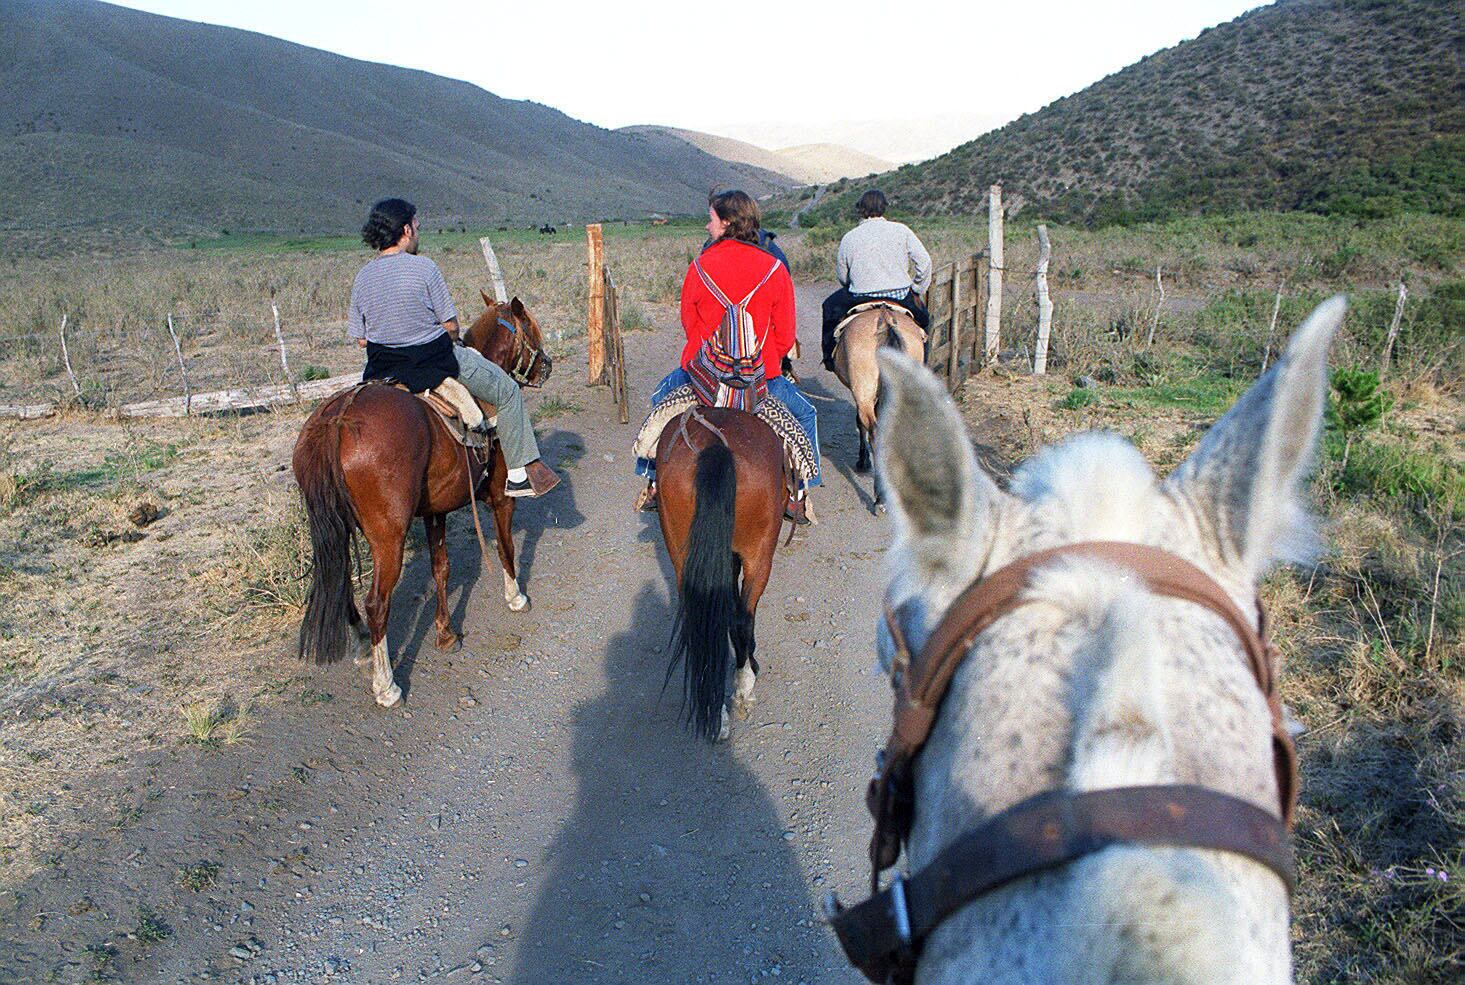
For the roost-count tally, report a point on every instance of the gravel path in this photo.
(535, 814)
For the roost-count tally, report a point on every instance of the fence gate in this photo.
(606, 354)
(956, 298)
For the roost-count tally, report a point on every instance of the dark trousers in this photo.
(838, 304)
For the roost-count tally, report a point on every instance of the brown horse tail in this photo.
(711, 607)
(329, 604)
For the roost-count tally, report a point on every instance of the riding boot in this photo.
(795, 510)
(646, 501)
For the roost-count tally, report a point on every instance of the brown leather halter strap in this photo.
(883, 935)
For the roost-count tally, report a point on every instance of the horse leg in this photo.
(503, 525)
(755, 579)
(865, 421)
(386, 537)
(879, 505)
(437, 542)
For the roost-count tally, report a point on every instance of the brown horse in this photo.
(374, 457)
(855, 365)
(722, 485)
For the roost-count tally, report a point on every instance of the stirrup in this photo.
(646, 501)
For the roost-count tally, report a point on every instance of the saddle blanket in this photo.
(771, 411)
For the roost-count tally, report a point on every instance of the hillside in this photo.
(728, 149)
(1337, 106)
(116, 118)
(829, 162)
(807, 164)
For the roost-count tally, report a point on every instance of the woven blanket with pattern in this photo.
(772, 412)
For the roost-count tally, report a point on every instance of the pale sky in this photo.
(725, 66)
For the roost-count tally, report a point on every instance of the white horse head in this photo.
(1097, 683)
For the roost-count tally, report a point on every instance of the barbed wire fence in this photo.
(177, 363)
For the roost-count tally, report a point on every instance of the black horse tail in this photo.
(332, 518)
(711, 606)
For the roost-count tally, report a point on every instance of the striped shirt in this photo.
(400, 299)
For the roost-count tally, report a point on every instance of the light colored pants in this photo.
(487, 381)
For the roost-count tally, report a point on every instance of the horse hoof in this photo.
(520, 604)
(389, 698)
(450, 645)
(722, 730)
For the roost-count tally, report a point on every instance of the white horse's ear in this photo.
(1244, 479)
(943, 503)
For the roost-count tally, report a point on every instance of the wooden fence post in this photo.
(280, 338)
(595, 327)
(1159, 286)
(1045, 305)
(953, 355)
(500, 292)
(66, 358)
(178, 350)
(994, 273)
(1393, 329)
(1276, 309)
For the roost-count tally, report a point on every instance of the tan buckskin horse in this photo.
(722, 485)
(374, 457)
(857, 368)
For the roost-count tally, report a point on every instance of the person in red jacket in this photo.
(737, 264)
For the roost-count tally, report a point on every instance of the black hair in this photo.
(387, 220)
(871, 204)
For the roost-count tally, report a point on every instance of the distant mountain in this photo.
(809, 164)
(115, 118)
(899, 141)
(830, 162)
(1352, 106)
(733, 151)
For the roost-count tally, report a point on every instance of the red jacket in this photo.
(735, 266)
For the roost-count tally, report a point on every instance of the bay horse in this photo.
(1127, 660)
(722, 485)
(373, 457)
(857, 368)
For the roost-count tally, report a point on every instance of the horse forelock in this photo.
(1093, 486)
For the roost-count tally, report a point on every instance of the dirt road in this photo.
(535, 814)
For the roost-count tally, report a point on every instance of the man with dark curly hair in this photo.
(405, 319)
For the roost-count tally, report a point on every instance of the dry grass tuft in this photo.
(214, 723)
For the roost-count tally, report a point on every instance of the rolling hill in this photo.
(118, 119)
(808, 164)
(1340, 106)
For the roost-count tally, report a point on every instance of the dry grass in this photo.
(214, 723)
(90, 638)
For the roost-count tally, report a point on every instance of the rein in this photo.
(520, 370)
(883, 935)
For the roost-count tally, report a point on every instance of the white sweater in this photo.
(878, 256)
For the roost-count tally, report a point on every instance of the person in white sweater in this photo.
(878, 259)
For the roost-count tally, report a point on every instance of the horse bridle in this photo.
(518, 369)
(883, 935)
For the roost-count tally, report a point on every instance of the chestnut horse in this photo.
(855, 364)
(722, 485)
(374, 457)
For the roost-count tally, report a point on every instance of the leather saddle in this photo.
(461, 412)
(863, 307)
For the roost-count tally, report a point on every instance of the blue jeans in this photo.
(779, 388)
